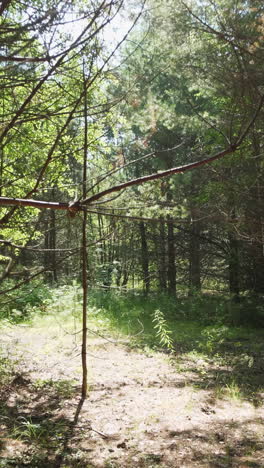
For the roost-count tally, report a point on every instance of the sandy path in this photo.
(153, 415)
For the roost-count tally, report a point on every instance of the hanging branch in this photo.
(75, 206)
(44, 270)
(158, 175)
(72, 207)
(130, 163)
(53, 68)
(180, 169)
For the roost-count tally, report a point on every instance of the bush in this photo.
(23, 302)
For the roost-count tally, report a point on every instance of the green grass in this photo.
(225, 358)
(192, 331)
(193, 335)
(42, 432)
(184, 322)
(204, 324)
(20, 305)
(63, 388)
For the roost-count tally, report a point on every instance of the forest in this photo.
(131, 233)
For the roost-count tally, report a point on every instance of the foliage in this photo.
(162, 330)
(188, 86)
(63, 388)
(26, 302)
(6, 369)
(41, 433)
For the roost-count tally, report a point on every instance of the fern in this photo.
(162, 330)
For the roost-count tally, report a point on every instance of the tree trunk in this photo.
(1, 169)
(53, 244)
(255, 220)
(256, 250)
(162, 257)
(234, 283)
(171, 272)
(194, 254)
(84, 250)
(144, 257)
(50, 244)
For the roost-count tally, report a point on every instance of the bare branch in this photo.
(223, 35)
(53, 69)
(8, 243)
(130, 163)
(8, 268)
(11, 58)
(180, 169)
(33, 203)
(157, 220)
(158, 175)
(74, 207)
(251, 122)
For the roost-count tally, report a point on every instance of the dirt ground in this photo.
(144, 409)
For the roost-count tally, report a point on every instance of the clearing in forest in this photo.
(145, 408)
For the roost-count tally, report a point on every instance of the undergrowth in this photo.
(194, 333)
(20, 305)
(202, 323)
(198, 336)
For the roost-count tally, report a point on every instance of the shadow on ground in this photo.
(227, 445)
(40, 429)
(35, 428)
(40, 425)
(227, 369)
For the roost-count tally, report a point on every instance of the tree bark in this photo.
(50, 261)
(194, 254)
(84, 250)
(84, 314)
(255, 214)
(234, 267)
(171, 273)
(144, 258)
(162, 257)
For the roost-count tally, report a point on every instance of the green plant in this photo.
(27, 430)
(6, 370)
(64, 388)
(162, 330)
(213, 337)
(110, 464)
(26, 301)
(233, 391)
(43, 432)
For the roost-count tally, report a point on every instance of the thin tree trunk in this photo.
(50, 260)
(48, 253)
(144, 257)
(1, 169)
(255, 226)
(171, 259)
(162, 257)
(234, 286)
(84, 254)
(53, 245)
(194, 255)
(84, 315)
(258, 244)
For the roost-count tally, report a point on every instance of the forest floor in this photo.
(145, 408)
